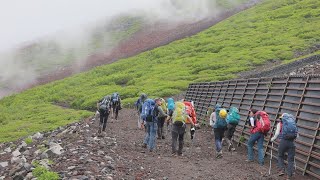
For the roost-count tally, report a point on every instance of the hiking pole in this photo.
(270, 159)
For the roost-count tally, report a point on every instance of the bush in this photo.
(42, 173)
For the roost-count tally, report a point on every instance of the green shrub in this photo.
(42, 173)
(28, 140)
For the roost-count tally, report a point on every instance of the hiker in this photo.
(115, 104)
(233, 119)
(104, 107)
(260, 125)
(178, 127)
(161, 115)
(287, 132)
(189, 124)
(219, 127)
(150, 122)
(138, 105)
(170, 109)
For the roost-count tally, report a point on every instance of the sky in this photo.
(23, 21)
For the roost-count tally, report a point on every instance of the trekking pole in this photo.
(270, 159)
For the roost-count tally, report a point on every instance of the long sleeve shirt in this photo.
(276, 134)
(212, 119)
(161, 112)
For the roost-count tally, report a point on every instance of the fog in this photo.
(64, 26)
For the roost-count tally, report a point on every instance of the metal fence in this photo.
(298, 95)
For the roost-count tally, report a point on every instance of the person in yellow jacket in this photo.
(178, 127)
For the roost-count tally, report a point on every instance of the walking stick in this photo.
(270, 159)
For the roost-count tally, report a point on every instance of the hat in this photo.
(253, 110)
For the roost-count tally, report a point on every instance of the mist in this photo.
(42, 35)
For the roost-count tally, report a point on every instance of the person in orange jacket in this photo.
(189, 124)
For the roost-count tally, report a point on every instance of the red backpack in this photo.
(262, 123)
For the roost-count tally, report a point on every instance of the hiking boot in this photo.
(249, 160)
(281, 173)
(163, 137)
(180, 154)
(219, 155)
(229, 147)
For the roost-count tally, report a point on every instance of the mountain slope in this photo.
(276, 30)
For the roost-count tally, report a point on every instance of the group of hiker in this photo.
(224, 122)
(108, 104)
(180, 118)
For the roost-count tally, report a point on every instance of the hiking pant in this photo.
(103, 119)
(160, 126)
(150, 137)
(289, 147)
(230, 131)
(259, 137)
(218, 135)
(188, 134)
(177, 133)
(115, 109)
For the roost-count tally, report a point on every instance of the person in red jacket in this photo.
(189, 124)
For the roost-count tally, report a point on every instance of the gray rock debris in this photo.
(8, 150)
(3, 164)
(37, 136)
(16, 153)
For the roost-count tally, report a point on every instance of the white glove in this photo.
(272, 139)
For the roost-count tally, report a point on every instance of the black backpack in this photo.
(104, 105)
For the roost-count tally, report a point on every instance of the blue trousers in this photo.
(289, 147)
(150, 137)
(259, 137)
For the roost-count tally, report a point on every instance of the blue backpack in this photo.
(289, 128)
(147, 110)
(233, 116)
(220, 123)
(170, 104)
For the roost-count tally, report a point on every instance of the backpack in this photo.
(170, 104)
(289, 128)
(148, 110)
(220, 123)
(164, 105)
(179, 113)
(115, 97)
(190, 111)
(233, 116)
(104, 105)
(262, 123)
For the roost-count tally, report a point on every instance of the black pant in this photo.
(230, 131)
(103, 119)
(115, 109)
(177, 133)
(160, 126)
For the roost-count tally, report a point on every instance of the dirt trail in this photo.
(119, 155)
(198, 162)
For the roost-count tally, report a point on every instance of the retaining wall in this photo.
(298, 95)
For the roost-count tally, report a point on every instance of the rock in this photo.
(27, 166)
(108, 158)
(71, 167)
(84, 178)
(2, 177)
(19, 160)
(165, 178)
(27, 153)
(44, 155)
(100, 152)
(22, 149)
(109, 178)
(4, 164)
(18, 177)
(37, 152)
(23, 144)
(15, 169)
(8, 150)
(29, 176)
(16, 153)
(110, 166)
(37, 136)
(102, 164)
(55, 149)
(44, 163)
